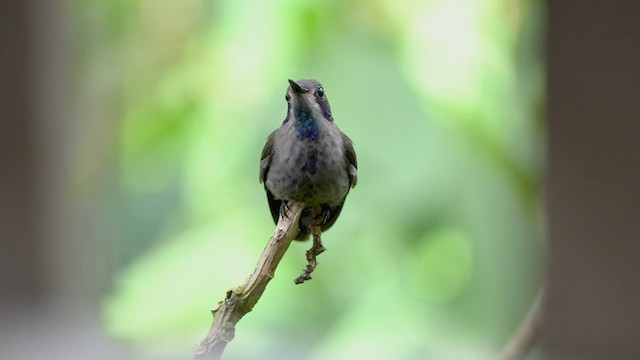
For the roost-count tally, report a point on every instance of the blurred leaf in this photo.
(442, 270)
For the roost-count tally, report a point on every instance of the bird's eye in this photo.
(287, 97)
(320, 92)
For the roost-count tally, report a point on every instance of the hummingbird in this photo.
(308, 159)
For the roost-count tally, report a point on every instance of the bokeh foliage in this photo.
(437, 252)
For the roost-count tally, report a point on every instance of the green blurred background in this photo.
(438, 251)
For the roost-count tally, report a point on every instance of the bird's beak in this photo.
(297, 89)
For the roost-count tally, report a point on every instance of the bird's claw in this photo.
(284, 209)
(325, 216)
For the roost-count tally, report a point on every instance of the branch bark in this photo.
(240, 300)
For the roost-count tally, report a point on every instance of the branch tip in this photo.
(240, 300)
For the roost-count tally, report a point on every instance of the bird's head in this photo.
(307, 96)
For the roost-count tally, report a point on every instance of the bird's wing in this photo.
(352, 170)
(352, 161)
(265, 163)
(265, 158)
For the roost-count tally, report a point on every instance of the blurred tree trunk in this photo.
(593, 188)
(20, 274)
(47, 269)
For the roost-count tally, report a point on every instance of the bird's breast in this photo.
(312, 171)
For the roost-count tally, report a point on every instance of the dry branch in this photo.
(240, 300)
(316, 249)
(528, 332)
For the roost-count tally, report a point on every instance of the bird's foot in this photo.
(325, 215)
(284, 210)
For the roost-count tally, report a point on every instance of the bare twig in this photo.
(316, 249)
(528, 331)
(240, 300)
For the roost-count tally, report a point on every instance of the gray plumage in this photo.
(308, 159)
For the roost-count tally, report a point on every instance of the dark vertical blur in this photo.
(46, 296)
(20, 276)
(594, 177)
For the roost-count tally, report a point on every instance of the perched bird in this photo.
(308, 159)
